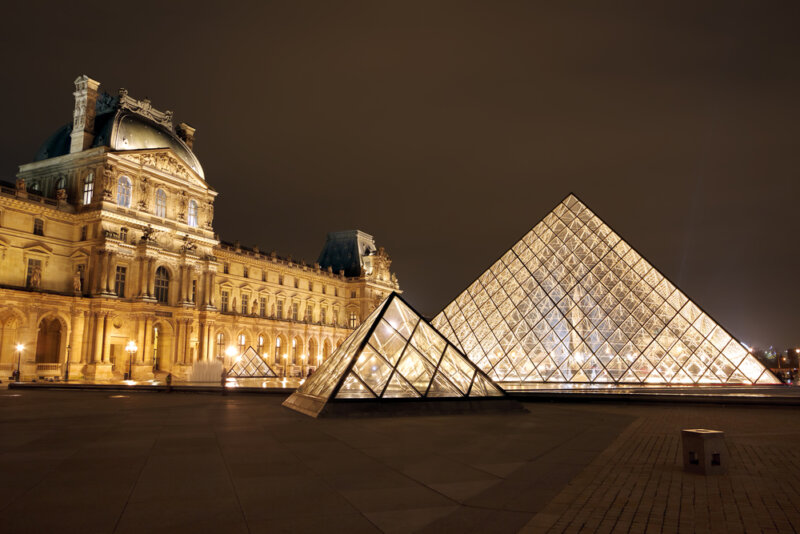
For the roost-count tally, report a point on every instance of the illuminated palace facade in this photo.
(107, 238)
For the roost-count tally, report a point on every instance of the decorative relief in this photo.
(144, 107)
(108, 182)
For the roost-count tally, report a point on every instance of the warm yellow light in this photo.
(131, 346)
(20, 346)
(285, 356)
(231, 351)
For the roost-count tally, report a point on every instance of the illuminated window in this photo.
(38, 227)
(242, 343)
(353, 319)
(323, 315)
(245, 300)
(124, 192)
(279, 309)
(277, 350)
(123, 234)
(295, 311)
(33, 265)
(220, 345)
(294, 352)
(193, 213)
(162, 285)
(309, 312)
(260, 348)
(224, 301)
(161, 203)
(88, 189)
(262, 307)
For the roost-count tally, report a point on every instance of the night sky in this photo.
(447, 131)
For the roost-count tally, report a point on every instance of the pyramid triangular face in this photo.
(573, 302)
(394, 354)
(251, 365)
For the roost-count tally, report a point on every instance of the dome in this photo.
(121, 129)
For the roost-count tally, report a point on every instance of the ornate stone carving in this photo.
(21, 185)
(145, 108)
(108, 182)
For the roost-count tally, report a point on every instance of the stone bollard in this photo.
(704, 451)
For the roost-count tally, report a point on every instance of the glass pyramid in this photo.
(395, 354)
(251, 365)
(573, 302)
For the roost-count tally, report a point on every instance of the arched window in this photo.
(124, 192)
(242, 343)
(193, 213)
(162, 285)
(260, 348)
(88, 188)
(161, 203)
(277, 350)
(220, 344)
(294, 351)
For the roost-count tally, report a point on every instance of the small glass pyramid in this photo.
(573, 302)
(395, 354)
(251, 365)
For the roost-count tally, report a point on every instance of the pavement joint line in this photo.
(136, 482)
(232, 482)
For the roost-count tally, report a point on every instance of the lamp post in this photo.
(284, 365)
(20, 346)
(131, 349)
(303, 365)
(66, 366)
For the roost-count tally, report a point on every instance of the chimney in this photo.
(83, 116)
(186, 133)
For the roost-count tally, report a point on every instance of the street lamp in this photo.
(66, 367)
(284, 365)
(20, 346)
(131, 349)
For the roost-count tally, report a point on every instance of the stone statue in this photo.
(233, 307)
(36, 278)
(21, 185)
(76, 282)
(147, 233)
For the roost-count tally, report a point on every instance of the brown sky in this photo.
(448, 129)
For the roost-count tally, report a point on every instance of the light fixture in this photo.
(230, 351)
(20, 346)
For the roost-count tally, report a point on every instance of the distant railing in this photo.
(48, 367)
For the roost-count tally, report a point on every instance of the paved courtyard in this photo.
(81, 461)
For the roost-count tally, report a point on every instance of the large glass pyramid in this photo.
(251, 365)
(394, 354)
(573, 302)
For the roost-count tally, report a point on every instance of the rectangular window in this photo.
(296, 283)
(194, 291)
(245, 299)
(38, 227)
(123, 234)
(246, 272)
(34, 266)
(309, 312)
(84, 232)
(88, 189)
(353, 319)
(262, 307)
(263, 276)
(295, 311)
(224, 301)
(323, 313)
(279, 309)
(280, 279)
(225, 268)
(119, 281)
(352, 294)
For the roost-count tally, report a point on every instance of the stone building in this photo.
(107, 238)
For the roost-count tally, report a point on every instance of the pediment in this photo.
(165, 160)
(37, 248)
(79, 254)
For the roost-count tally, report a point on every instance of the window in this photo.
(294, 352)
(280, 279)
(260, 348)
(353, 319)
(119, 281)
(38, 227)
(295, 311)
(193, 213)
(246, 272)
(296, 283)
(277, 350)
(220, 344)
(194, 291)
(279, 310)
(242, 343)
(245, 299)
(309, 312)
(262, 306)
(124, 192)
(123, 234)
(84, 232)
(263, 276)
(33, 266)
(88, 189)
(323, 312)
(161, 203)
(225, 268)
(162, 285)
(352, 294)
(224, 304)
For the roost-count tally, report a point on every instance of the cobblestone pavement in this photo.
(637, 484)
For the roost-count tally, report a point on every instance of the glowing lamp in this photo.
(230, 351)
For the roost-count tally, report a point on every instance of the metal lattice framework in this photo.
(251, 365)
(395, 353)
(573, 302)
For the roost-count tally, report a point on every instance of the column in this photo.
(140, 333)
(142, 288)
(182, 286)
(211, 292)
(99, 335)
(71, 343)
(103, 272)
(201, 341)
(151, 277)
(86, 342)
(179, 337)
(147, 346)
(209, 342)
(187, 343)
(110, 275)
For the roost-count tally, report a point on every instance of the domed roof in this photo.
(121, 129)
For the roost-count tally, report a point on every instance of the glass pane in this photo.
(352, 388)
(373, 370)
(401, 318)
(399, 388)
(387, 341)
(416, 369)
(441, 387)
